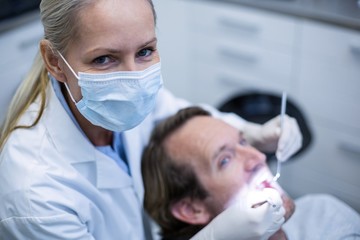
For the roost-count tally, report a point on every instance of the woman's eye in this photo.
(102, 60)
(145, 52)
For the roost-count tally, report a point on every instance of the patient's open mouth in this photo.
(265, 184)
(261, 178)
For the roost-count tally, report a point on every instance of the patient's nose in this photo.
(252, 158)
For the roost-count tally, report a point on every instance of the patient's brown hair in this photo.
(166, 181)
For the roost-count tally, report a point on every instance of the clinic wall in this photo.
(18, 46)
(214, 51)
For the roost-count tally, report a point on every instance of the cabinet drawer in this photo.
(329, 83)
(332, 165)
(331, 92)
(249, 62)
(337, 154)
(244, 24)
(215, 83)
(333, 45)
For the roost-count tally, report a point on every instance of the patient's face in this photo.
(220, 157)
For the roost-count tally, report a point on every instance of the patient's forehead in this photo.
(198, 139)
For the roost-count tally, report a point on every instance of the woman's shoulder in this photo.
(23, 143)
(27, 162)
(33, 181)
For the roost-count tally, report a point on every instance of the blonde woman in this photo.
(69, 169)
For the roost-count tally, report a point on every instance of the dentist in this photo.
(72, 140)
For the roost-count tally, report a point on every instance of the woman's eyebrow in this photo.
(115, 50)
(148, 42)
(101, 49)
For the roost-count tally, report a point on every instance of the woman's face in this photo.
(116, 35)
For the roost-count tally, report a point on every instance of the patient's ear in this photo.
(191, 211)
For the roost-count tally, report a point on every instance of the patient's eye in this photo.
(224, 161)
(243, 142)
(226, 156)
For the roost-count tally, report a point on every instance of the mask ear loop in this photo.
(73, 72)
(67, 88)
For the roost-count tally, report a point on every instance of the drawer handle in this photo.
(349, 147)
(239, 26)
(355, 49)
(237, 56)
(229, 81)
(233, 81)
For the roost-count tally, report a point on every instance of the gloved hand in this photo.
(243, 222)
(269, 137)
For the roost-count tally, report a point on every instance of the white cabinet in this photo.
(18, 48)
(331, 165)
(329, 77)
(234, 49)
(329, 91)
(226, 48)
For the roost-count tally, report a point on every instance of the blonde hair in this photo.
(58, 19)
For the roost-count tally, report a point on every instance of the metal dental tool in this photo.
(256, 205)
(282, 115)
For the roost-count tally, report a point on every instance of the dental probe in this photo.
(259, 204)
(282, 115)
(256, 205)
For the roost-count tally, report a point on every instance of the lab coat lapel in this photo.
(133, 146)
(109, 174)
(73, 146)
(68, 140)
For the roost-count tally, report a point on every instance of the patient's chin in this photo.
(279, 235)
(289, 206)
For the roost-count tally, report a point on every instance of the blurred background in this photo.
(239, 55)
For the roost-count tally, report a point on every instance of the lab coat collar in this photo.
(76, 149)
(64, 133)
(109, 174)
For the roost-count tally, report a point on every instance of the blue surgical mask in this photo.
(117, 101)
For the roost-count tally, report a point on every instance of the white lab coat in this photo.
(54, 184)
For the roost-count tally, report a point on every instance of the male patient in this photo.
(196, 166)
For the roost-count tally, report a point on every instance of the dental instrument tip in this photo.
(259, 204)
